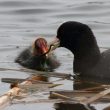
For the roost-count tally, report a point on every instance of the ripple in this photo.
(96, 2)
(89, 7)
(32, 11)
(15, 4)
(30, 20)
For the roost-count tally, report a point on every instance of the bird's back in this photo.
(101, 70)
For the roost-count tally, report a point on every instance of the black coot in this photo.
(80, 40)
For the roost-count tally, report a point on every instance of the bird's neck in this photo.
(86, 58)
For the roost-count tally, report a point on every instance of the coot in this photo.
(80, 40)
(35, 57)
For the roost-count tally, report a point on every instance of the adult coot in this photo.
(35, 57)
(80, 40)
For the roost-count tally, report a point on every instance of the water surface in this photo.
(22, 21)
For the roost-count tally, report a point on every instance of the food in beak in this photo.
(54, 44)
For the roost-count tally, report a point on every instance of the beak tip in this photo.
(55, 44)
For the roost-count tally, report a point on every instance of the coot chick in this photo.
(80, 40)
(35, 57)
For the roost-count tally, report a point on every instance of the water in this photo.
(22, 21)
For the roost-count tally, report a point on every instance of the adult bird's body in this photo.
(80, 40)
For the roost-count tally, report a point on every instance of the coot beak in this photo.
(55, 44)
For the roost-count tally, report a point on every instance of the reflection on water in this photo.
(90, 88)
(69, 106)
(21, 21)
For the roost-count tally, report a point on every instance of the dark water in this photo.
(22, 21)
